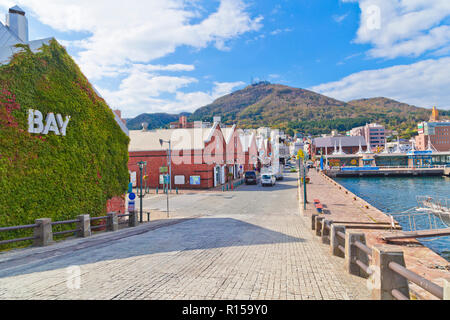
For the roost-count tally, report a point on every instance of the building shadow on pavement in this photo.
(284, 184)
(182, 235)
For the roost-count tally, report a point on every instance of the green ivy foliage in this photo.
(50, 176)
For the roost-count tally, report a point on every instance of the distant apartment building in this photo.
(435, 133)
(374, 134)
(182, 123)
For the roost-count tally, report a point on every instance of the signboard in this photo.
(163, 179)
(194, 180)
(163, 170)
(334, 162)
(300, 154)
(56, 124)
(132, 196)
(179, 180)
(131, 206)
(133, 178)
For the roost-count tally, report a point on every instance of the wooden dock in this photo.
(416, 234)
(385, 172)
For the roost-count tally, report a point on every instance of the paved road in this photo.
(246, 244)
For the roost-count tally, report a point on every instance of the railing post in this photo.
(383, 280)
(335, 240)
(84, 225)
(446, 289)
(133, 219)
(44, 232)
(318, 228)
(313, 220)
(112, 222)
(353, 253)
(326, 224)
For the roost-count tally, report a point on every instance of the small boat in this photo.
(438, 207)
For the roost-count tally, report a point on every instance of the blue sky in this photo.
(178, 55)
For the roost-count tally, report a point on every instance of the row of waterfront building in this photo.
(368, 146)
(202, 155)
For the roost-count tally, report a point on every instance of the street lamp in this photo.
(169, 160)
(141, 195)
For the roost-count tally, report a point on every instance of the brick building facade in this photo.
(201, 158)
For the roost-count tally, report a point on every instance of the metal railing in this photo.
(37, 228)
(58, 223)
(29, 226)
(400, 270)
(425, 284)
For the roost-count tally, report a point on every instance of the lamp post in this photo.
(141, 195)
(169, 160)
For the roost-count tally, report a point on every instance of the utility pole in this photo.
(305, 200)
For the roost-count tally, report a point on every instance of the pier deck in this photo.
(342, 205)
(385, 172)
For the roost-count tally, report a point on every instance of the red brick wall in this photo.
(116, 204)
(197, 164)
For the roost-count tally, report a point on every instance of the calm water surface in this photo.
(396, 195)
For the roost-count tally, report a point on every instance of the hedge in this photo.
(52, 176)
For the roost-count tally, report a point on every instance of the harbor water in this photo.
(395, 195)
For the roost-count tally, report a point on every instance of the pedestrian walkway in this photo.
(251, 243)
(344, 206)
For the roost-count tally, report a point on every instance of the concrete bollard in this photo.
(353, 253)
(446, 289)
(44, 232)
(335, 240)
(133, 219)
(326, 224)
(384, 280)
(84, 226)
(313, 221)
(112, 222)
(318, 227)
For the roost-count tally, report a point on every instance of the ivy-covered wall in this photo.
(50, 176)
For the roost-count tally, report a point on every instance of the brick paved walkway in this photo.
(248, 244)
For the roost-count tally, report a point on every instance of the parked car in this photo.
(268, 179)
(278, 172)
(250, 177)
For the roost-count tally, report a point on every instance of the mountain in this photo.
(294, 109)
(154, 120)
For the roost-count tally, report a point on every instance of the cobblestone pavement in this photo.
(247, 244)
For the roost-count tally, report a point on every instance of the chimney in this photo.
(18, 23)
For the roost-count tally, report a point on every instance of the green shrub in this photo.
(52, 176)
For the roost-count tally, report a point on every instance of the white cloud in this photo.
(403, 27)
(137, 31)
(278, 31)
(141, 92)
(423, 84)
(124, 37)
(340, 18)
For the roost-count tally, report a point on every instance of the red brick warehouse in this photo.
(201, 157)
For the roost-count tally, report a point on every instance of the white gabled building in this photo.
(14, 32)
